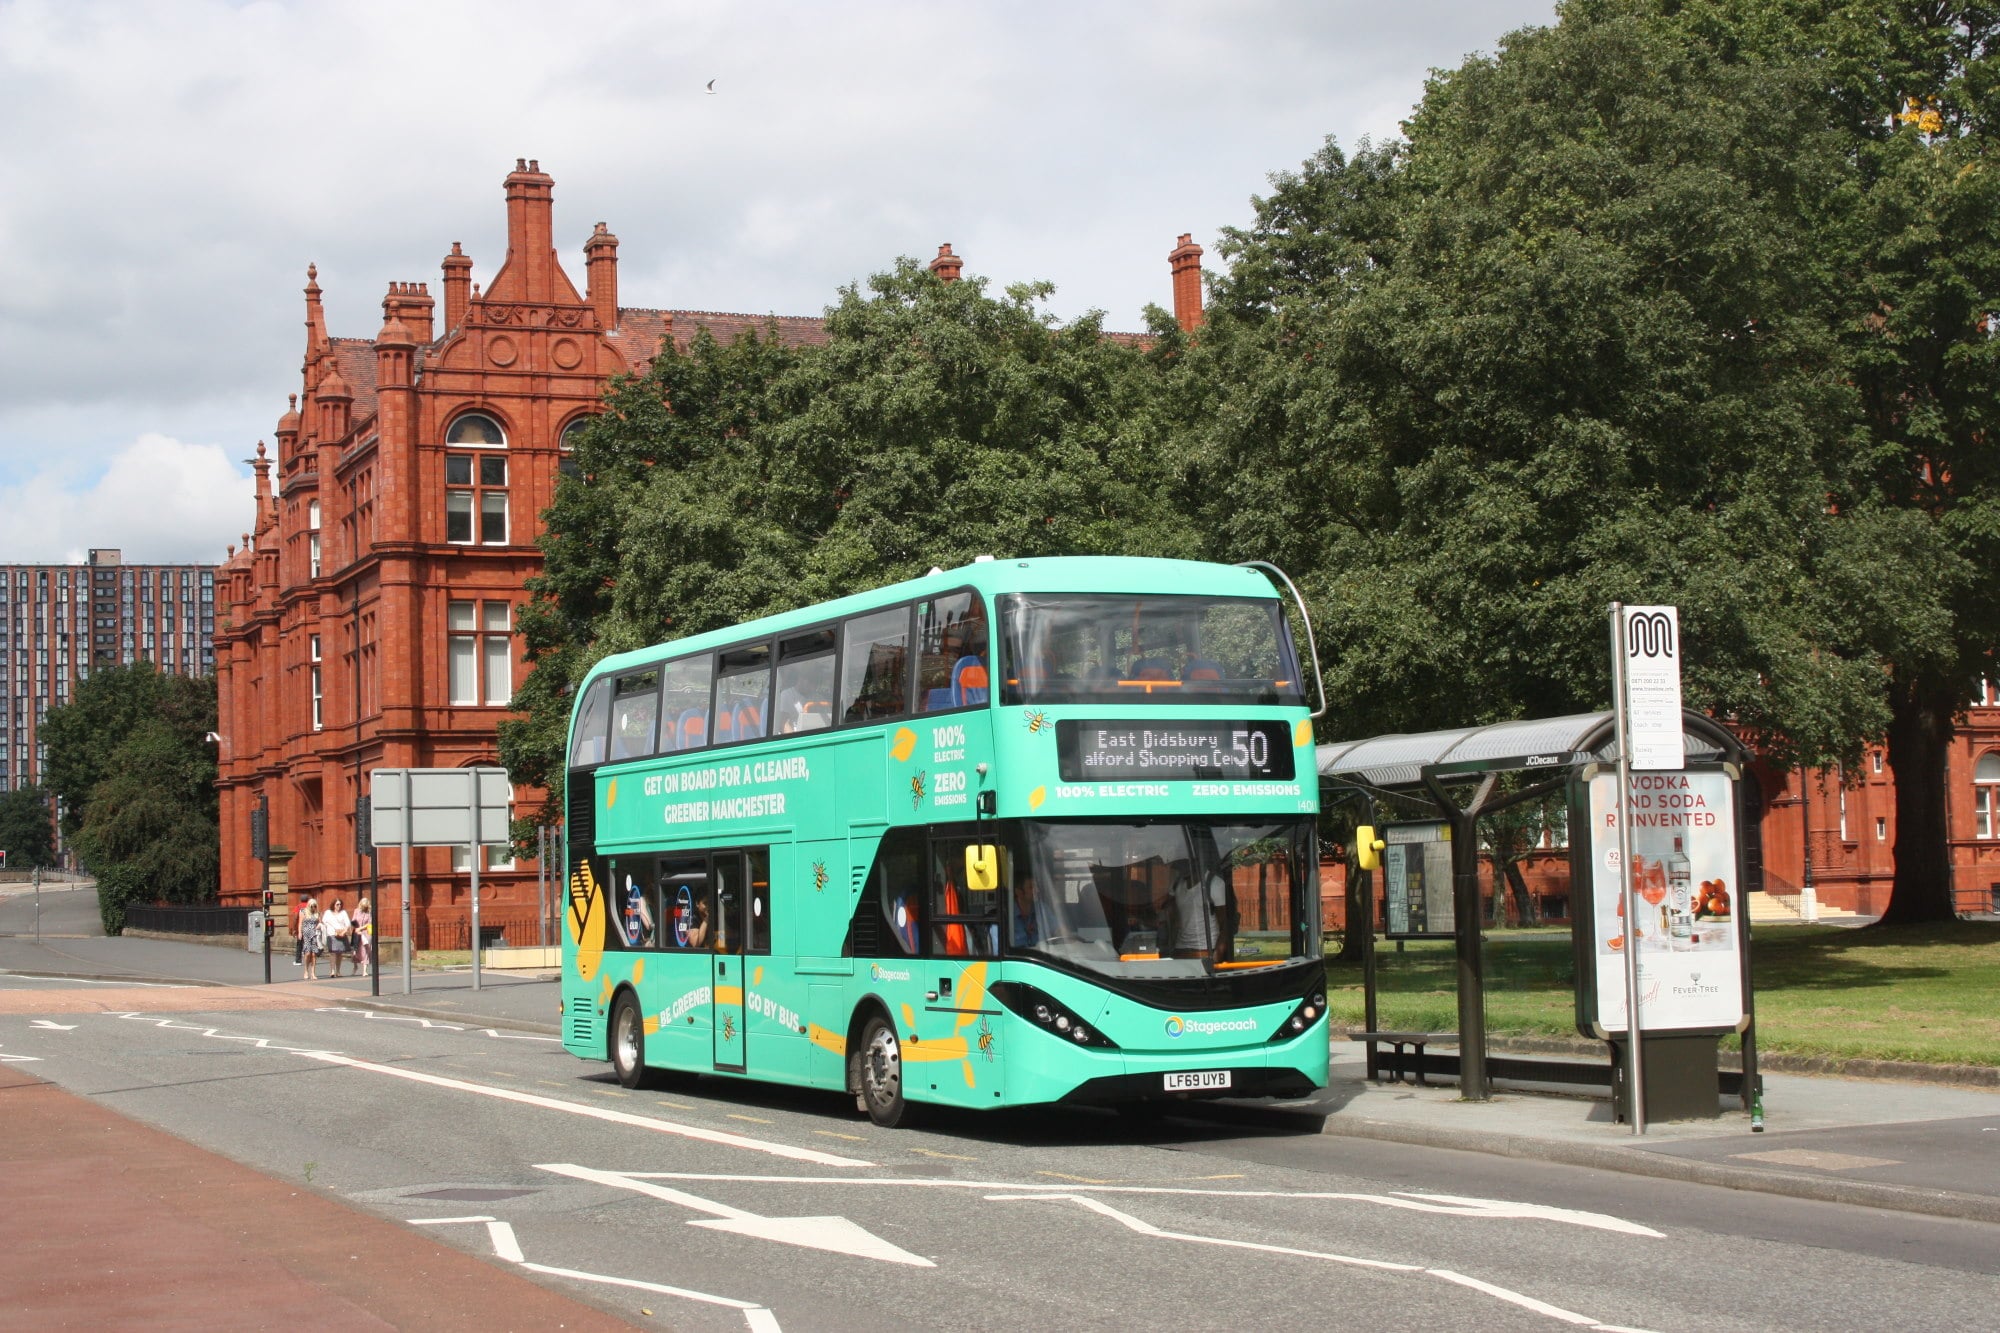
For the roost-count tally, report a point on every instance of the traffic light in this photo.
(267, 902)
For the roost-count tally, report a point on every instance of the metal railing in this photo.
(189, 920)
(497, 929)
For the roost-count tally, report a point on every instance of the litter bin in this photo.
(256, 930)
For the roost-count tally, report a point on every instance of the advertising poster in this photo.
(1416, 879)
(1688, 902)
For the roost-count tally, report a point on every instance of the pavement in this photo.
(1903, 1144)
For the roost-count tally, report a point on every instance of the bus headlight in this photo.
(1047, 1013)
(1310, 1011)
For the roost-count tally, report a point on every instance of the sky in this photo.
(172, 166)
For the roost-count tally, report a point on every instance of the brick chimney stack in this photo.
(457, 287)
(411, 303)
(947, 265)
(1186, 261)
(601, 276)
(530, 268)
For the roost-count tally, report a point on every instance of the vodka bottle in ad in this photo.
(1680, 904)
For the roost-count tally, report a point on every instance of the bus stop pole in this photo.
(478, 782)
(1634, 1079)
(408, 814)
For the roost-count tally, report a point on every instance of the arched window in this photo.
(1986, 796)
(475, 430)
(475, 503)
(574, 429)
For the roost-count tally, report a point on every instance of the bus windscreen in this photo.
(1110, 648)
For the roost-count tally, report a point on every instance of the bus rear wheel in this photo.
(628, 1042)
(879, 1080)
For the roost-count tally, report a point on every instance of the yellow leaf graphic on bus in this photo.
(611, 794)
(971, 993)
(1036, 797)
(1302, 734)
(757, 979)
(905, 744)
(585, 919)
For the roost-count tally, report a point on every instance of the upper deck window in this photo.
(1120, 648)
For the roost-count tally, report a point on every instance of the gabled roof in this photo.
(356, 359)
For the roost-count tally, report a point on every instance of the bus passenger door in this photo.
(732, 977)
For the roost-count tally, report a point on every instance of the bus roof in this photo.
(1049, 574)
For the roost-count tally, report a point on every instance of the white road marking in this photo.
(261, 1043)
(605, 1113)
(497, 1035)
(1104, 1209)
(1447, 1205)
(53, 1027)
(1515, 1298)
(6, 1059)
(1132, 1223)
(716, 1136)
(836, 1234)
(508, 1247)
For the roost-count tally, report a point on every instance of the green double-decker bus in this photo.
(1022, 832)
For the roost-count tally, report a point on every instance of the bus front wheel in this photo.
(628, 1042)
(880, 1081)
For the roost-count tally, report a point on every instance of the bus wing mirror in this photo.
(982, 867)
(1367, 848)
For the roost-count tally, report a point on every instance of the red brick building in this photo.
(366, 620)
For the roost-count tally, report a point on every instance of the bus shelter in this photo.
(1422, 798)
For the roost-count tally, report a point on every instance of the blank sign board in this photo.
(439, 806)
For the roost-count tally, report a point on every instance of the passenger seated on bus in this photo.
(699, 925)
(1151, 668)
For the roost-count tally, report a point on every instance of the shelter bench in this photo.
(1395, 1065)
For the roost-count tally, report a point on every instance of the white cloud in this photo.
(160, 501)
(171, 168)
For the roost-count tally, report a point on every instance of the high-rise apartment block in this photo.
(58, 623)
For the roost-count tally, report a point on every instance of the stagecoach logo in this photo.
(881, 973)
(1649, 634)
(1202, 1027)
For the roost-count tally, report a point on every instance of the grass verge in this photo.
(1926, 993)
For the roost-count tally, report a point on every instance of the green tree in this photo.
(109, 705)
(131, 760)
(1565, 345)
(936, 423)
(27, 832)
(1911, 244)
(151, 833)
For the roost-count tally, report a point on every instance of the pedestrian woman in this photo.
(339, 929)
(310, 940)
(363, 935)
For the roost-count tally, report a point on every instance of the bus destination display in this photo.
(1173, 751)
